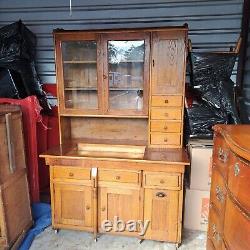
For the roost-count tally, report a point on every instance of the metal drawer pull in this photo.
(219, 194)
(117, 177)
(236, 169)
(222, 155)
(166, 101)
(71, 174)
(160, 194)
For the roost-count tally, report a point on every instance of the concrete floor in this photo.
(76, 240)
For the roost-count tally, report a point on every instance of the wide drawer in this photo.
(165, 139)
(162, 180)
(218, 192)
(236, 227)
(166, 113)
(165, 126)
(71, 173)
(221, 155)
(108, 175)
(166, 101)
(239, 181)
(215, 228)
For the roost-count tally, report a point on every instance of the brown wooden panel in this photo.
(238, 181)
(165, 139)
(161, 209)
(118, 176)
(73, 205)
(162, 180)
(71, 173)
(168, 62)
(166, 101)
(166, 113)
(165, 126)
(218, 192)
(210, 245)
(236, 227)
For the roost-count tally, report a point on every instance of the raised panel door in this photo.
(161, 209)
(73, 205)
(168, 62)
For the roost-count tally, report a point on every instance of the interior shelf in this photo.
(79, 62)
(95, 89)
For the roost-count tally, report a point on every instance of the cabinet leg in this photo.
(177, 245)
(56, 231)
(141, 240)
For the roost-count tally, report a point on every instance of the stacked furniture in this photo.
(229, 215)
(15, 212)
(121, 98)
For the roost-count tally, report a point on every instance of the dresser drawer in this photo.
(215, 228)
(165, 139)
(166, 113)
(236, 227)
(166, 101)
(108, 175)
(221, 155)
(218, 192)
(76, 173)
(239, 181)
(162, 180)
(165, 126)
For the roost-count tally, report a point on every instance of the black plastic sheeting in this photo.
(17, 55)
(213, 91)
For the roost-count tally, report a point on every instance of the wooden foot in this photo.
(56, 231)
(141, 240)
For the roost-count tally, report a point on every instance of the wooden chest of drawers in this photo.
(229, 215)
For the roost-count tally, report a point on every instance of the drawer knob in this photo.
(166, 127)
(160, 194)
(117, 177)
(166, 101)
(236, 169)
(165, 139)
(166, 114)
(87, 207)
(162, 181)
(71, 174)
(219, 194)
(103, 209)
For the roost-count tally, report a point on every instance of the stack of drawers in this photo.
(229, 214)
(166, 121)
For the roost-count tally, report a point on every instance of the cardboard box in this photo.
(201, 164)
(196, 209)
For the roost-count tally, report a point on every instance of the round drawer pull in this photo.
(71, 174)
(87, 207)
(165, 139)
(166, 114)
(166, 127)
(160, 194)
(166, 101)
(117, 177)
(162, 181)
(103, 209)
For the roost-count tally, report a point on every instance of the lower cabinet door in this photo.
(119, 210)
(161, 209)
(73, 205)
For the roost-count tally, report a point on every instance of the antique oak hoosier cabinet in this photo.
(121, 98)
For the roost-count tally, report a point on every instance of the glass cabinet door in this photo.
(126, 76)
(79, 60)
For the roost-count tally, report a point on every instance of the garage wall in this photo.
(213, 24)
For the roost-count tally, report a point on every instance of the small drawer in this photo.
(162, 180)
(215, 227)
(118, 176)
(71, 173)
(218, 193)
(166, 113)
(165, 126)
(166, 101)
(165, 139)
(238, 181)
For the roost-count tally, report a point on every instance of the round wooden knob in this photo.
(166, 140)
(104, 77)
(162, 181)
(166, 114)
(71, 174)
(103, 209)
(166, 127)
(166, 101)
(117, 177)
(87, 207)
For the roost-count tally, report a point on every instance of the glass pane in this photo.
(126, 70)
(80, 74)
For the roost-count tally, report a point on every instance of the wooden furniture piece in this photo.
(15, 212)
(121, 98)
(229, 215)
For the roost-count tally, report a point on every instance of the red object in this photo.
(31, 117)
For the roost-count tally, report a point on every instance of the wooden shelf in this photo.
(79, 62)
(93, 88)
(131, 61)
